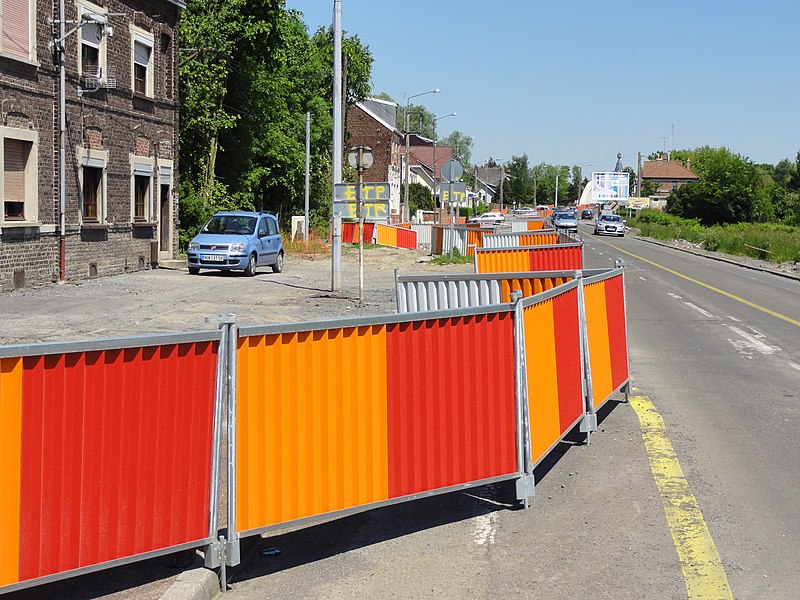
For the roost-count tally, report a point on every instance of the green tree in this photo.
(419, 198)
(519, 181)
(461, 145)
(420, 120)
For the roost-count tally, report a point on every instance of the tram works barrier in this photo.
(397, 237)
(554, 257)
(111, 449)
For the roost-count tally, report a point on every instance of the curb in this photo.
(194, 584)
(720, 259)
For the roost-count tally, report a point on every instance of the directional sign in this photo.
(346, 192)
(373, 211)
(453, 192)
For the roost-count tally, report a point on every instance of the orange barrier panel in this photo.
(397, 237)
(365, 426)
(529, 286)
(536, 225)
(10, 450)
(561, 257)
(554, 369)
(606, 336)
(350, 232)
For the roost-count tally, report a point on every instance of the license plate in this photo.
(212, 258)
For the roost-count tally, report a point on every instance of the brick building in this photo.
(113, 208)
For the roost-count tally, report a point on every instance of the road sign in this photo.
(453, 192)
(375, 210)
(610, 186)
(370, 192)
(452, 170)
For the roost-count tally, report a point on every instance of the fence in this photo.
(350, 232)
(397, 237)
(108, 453)
(528, 225)
(544, 237)
(423, 231)
(558, 257)
(323, 419)
(459, 237)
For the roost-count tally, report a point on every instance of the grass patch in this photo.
(315, 247)
(457, 259)
(773, 242)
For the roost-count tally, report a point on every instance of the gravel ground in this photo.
(163, 300)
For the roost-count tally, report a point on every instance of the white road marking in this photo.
(485, 529)
(751, 343)
(703, 312)
(642, 278)
(734, 319)
(794, 365)
(674, 295)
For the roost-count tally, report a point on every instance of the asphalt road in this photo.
(719, 355)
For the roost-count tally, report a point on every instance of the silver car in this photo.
(565, 220)
(609, 224)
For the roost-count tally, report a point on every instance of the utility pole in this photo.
(336, 237)
(502, 180)
(308, 175)
(639, 174)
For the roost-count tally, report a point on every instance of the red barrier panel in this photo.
(556, 258)
(406, 238)
(350, 232)
(115, 455)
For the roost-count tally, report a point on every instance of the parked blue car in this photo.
(238, 240)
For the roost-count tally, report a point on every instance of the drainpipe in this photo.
(62, 133)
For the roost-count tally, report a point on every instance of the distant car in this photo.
(239, 240)
(489, 218)
(587, 213)
(565, 220)
(609, 224)
(524, 211)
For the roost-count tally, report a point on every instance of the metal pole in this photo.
(556, 205)
(502, 179)
(405, 210)
(336, 237)
(435, 201)
(360, 231)
(308, 174)
(452, 217)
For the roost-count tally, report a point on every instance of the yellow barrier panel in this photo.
(10, 453)
(386, 236)
(316, 394)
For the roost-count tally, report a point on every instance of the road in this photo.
(717, 348)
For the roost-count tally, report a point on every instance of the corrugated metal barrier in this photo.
(515, 239)
(397, 237)
(110, 450)
(559, 257)
(106, 453)
(423, 231)
(350, 232)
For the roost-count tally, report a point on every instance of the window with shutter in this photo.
(15, 161)
(16, 26)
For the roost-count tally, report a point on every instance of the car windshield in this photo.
(611, 218)
(230, 224)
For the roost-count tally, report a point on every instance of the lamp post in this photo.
(452, 114)
(404, 216)
(360, 158)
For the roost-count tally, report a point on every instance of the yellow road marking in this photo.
(710, 287)
(701, 565)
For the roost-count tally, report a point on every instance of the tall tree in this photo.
(461, 145)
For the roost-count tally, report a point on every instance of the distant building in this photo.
(120, 209)
(668, 174)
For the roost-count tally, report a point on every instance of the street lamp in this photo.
(452, 114)
(361, 159)
(404, 216)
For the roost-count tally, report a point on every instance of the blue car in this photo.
(239, 240)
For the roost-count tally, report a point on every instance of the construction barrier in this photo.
(423, 292)
(558, 257)
(606, 334)
(371, 424)
(109, 452)
(350, 232)
(544, 237)
(528, 225)
(397, 237)
(463, 238)
(423, 231)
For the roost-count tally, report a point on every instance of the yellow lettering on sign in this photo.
(350, 192)
(458, 196)
(365, 192)
(445, 195)
(380, 190)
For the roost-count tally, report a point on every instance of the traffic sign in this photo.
(452, 170)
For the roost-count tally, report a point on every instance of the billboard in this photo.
(611, 186)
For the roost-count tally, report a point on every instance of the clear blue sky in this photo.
(574, 82)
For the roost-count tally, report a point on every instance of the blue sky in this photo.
(574, 82)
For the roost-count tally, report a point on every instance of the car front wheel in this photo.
(278, 266)
(194, 270)
(250, 269)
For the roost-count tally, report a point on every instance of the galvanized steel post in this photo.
(525, 483)
(589, 422)
(232, 557)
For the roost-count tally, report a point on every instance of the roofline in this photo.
(386, 124)
(179, 3)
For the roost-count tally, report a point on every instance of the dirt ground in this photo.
(164, 300)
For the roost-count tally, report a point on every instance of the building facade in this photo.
(89, 180)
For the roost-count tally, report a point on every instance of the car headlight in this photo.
(237, 247)
(194, 245)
